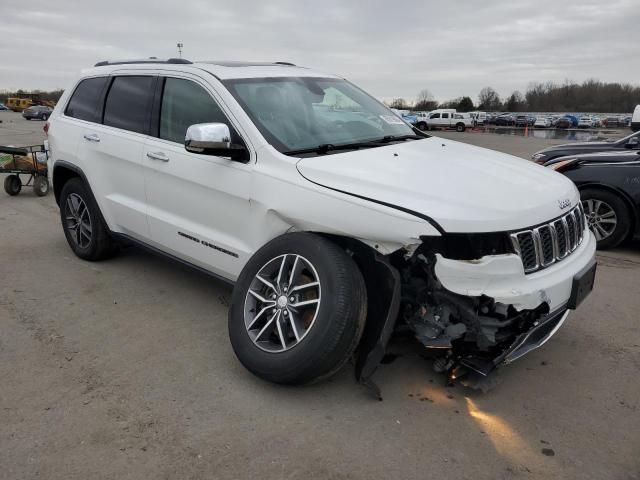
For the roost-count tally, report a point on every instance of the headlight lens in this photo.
(563, 163)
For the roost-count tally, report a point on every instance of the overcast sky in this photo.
(392, 49)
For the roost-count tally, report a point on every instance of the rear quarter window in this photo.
(84, 100)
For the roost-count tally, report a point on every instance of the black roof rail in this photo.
(285, 63)
(143, 60)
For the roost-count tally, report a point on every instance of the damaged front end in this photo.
(474, 334)
(467, 300)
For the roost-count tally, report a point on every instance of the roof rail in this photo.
(285, 63)
(143, 60)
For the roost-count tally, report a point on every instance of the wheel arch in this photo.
(382, 282)
(620, 193)
(62, 173)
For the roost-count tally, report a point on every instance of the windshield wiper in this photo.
(329, 147)
(399, 138)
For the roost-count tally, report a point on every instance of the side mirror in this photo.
(213, 139)
(633, 143)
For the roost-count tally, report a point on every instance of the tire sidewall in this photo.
(330, 315)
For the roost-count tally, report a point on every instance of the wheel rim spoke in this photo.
(259, 315)
(267, 325)
(78, 220)
(304, 303)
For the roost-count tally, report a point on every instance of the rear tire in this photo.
(326, 338)
(12, 185)
(86, 232)
(607, 215)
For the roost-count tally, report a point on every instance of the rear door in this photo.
(114, 148)
(199, 207)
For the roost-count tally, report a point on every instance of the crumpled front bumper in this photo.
(502, 277)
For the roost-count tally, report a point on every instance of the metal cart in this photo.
(31, 161)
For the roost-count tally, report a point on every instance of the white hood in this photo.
(462, 187)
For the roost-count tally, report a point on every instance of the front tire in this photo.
(298, 310)
(608, 217)
(86, 232)
(460, 127)
(422, 126)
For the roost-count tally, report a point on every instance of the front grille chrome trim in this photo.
(566, 233)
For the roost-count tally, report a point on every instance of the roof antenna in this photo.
(180, 45)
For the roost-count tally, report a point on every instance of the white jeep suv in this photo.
(335, 220)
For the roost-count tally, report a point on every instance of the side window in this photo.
(435, 115)
(84, 101)
(445, 115)
(128, 103)
(186, 103)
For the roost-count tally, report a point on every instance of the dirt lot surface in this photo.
(123, 370)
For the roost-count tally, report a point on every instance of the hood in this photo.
(580, 146)
(461, 187)
(617, 156)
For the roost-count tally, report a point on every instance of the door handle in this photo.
(92, 137)
(158, 156)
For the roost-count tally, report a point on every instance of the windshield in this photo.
(297, 113)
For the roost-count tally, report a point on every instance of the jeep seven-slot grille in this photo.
(546, 244)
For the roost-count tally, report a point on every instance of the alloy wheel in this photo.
(282, 303)
(78, 220)
(601, 217)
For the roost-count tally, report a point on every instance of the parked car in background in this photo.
(505, 120)
(564, 122)
(630, 142)
(611, 122)
(596, 122)
(37, 112)
(3, 107)
(585, 122)
(611, 202)
(635, 119)
(479, 118)
(531, 120)
(490, 118)
(521, 121)
(447, 119)
(421, 120)
(574, 119)
(542, 122)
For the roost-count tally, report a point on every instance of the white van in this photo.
(635, 120)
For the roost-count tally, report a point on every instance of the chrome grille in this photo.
(544, 245)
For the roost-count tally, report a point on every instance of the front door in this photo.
(198, 204)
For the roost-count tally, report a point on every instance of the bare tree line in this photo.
(588, 96)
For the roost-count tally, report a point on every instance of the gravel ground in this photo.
(123, 370)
